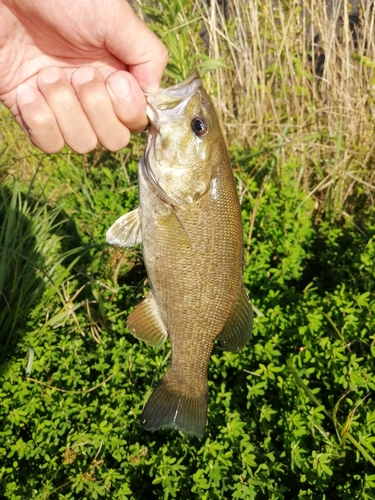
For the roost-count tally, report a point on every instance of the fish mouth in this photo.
(166, 105)
(170, 102)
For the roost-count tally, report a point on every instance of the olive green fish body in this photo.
(191, 232)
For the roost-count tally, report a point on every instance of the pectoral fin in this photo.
(237, 330)
(126, 231)
(175, 233)
(145, 323)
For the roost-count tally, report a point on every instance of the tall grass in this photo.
(289, 73)
(30, 255)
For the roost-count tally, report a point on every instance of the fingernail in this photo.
(50, 75)
(119, 87)
(84, 75)
(26, 94)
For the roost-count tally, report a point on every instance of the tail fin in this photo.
(169, 408)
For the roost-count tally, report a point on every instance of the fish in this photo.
(189, 223)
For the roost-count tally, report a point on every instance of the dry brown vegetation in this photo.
(296, 77)
(323, 113)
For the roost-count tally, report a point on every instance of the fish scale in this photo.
(189, 224)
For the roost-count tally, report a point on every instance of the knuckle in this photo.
(139, 126)
(115, 143)
(164, 56)
(93, 99)
(85, 147)
(53, 149)
(49, 145)
(41, 119)
(133, 116)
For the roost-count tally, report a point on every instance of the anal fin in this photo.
(145, 323)
(237, 329)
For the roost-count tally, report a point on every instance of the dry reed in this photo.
(298, 76)
(302, 69)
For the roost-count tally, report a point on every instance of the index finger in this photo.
(131, 41)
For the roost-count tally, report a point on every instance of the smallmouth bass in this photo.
(189, 223)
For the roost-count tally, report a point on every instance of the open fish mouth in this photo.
(167, 107)
(170, 103)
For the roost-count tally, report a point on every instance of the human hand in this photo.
(73, 71)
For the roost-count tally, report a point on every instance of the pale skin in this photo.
(74, 71)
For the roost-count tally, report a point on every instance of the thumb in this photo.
(131, 41)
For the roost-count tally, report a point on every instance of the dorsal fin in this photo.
(237, 329)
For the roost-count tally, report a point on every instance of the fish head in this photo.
(184, 132)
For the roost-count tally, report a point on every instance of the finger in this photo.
(96, 102)
(138, 47)
(128, 100)
(61, 98)
(38, 120)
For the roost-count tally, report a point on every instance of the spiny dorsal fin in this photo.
(145, 323)
(237, 330)
(126, 231)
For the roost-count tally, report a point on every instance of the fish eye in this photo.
(199, 126)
